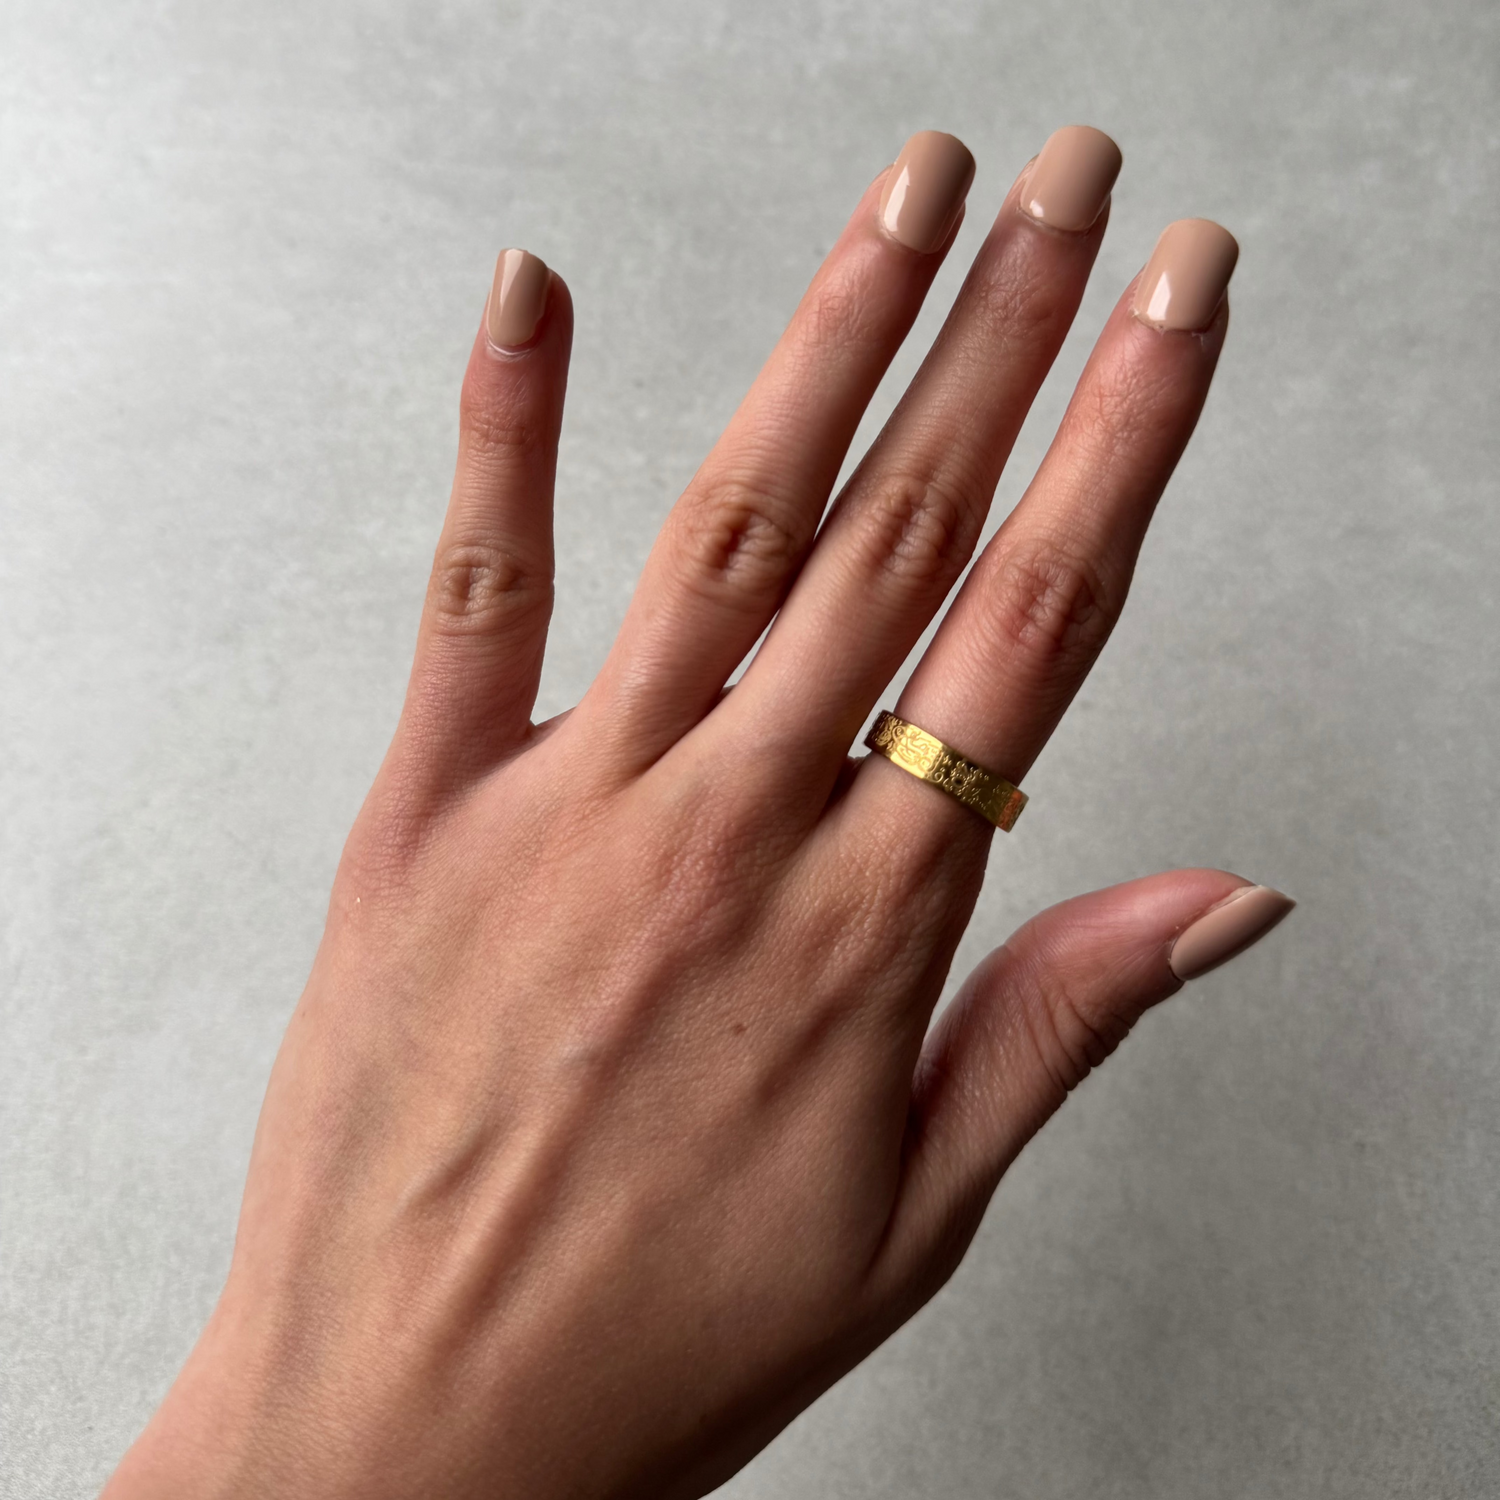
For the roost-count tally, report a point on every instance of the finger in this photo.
(908, 520)
(1039, 605)
(484, 625)
(1028, 1026)
(736, 538)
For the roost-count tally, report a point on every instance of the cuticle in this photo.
(1146, 322)
(1019, 192)
(499, 351)
(1214, 328)
(1201, 334)
(1228, 900)
(1193, 921)
(1065, 234)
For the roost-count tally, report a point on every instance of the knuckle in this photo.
(917, 530)
(393, 833)
(379, 858)
(1052, 604)
(1127, 409)
(839, 311)
(1070, 1030)
(735, 533)
(692, 893)
(1022, 313)
(1104, 410)
(924, 877)
(476, 587)
(496, 430)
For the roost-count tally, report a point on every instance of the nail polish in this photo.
(1068, 184)
(517, 299)
(1227, 929)
(1186, 277)
(925, 190)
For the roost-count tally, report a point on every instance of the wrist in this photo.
(236, 1425)
(208, 1438)
(187, 1449)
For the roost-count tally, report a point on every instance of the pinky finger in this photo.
(1029, 1025)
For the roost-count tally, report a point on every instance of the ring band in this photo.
(928, 759)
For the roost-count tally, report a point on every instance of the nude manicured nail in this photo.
(517, 299)
(1068, 185)
(1185, 279)
(925, 190)
(1229, 928)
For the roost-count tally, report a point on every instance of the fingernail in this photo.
(925, 190)
(1185, 279)
(1068, 184)
(517, 298)
(1229, 928)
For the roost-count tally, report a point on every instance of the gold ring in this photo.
(928, 759)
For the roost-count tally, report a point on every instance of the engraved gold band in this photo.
(940, 765)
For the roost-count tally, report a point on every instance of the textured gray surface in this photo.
(242, 252)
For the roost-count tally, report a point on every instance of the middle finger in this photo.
(908, 520)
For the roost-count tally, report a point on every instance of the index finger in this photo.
(735, 540)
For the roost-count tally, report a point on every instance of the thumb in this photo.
(1031, 1022)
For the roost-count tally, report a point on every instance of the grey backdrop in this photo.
(242, 253)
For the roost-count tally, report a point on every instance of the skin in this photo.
(605, 1136)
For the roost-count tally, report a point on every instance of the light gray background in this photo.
(242, 253)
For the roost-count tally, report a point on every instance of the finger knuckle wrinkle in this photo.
(1022, 313)
(475, 585)
(742, 536)
(1052, 604)
(1108, 407)
(837, 313)
(1072, 1035)
(918, 531)
(495, 429)
(1127, 409)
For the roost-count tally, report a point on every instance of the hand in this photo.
(604, 1136)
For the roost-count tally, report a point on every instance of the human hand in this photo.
(605, 1136)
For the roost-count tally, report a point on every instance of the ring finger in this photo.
(1039, 605)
